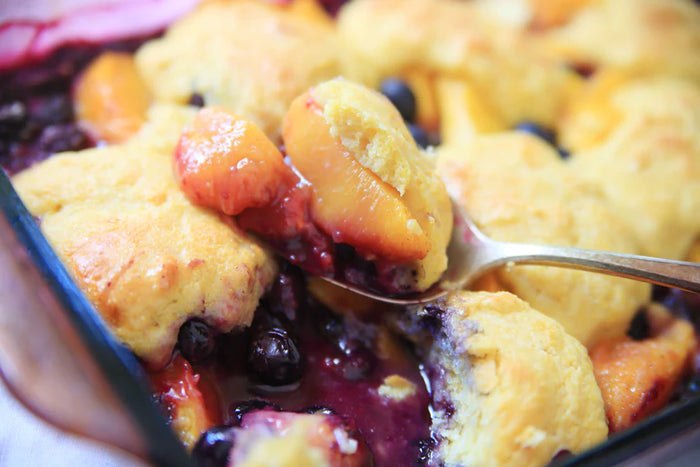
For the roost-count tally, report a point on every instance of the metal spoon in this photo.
(471, 254)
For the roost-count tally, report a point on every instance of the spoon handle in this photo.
(678, 274)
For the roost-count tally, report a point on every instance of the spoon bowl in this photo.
(471, 253)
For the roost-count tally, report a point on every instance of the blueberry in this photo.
(51, 109)
(330, 325)
(584, 70)
(694, 385)
(196, 340)
(563, 153)
(62, 137)
(287, 294)
(239, 410)
(401, 96)
(12, 118)
(273, 357)
(332, 6)
(420, 136)
(685, 305)
(639, 327)
(659, 293)
(196, 100)
(543, 133)
(537, 130)
(690, 390)
(214, 446)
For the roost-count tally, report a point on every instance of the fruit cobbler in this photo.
(200, 183)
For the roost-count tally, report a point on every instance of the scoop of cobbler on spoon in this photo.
(350, 195)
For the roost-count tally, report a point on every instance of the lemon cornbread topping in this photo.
(145, 256)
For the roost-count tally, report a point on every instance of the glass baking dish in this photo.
(56, 353)
(47, 322)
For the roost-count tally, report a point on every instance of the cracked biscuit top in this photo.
(638, 140)
(657, 37)
(517, 189)
(249, 57)
(143, 254)
(458, 40)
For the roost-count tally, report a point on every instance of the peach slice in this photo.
(464, 112)
(350, 202)
(310, 10)
(422, 83)
(188, 399)
(637, 378)
(226, 162)
(111, 99)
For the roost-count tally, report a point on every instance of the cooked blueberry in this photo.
(683, 304)
(401, 96)
(62, 137)
(330, 325)
(420, 136)
(214, 446)
(585, 70)
(196, 340)
(273, 357)
(537, 130)
(639, 327)
(694, 385)
(320, 409)
(239, 410)
(287, 293)
(332, 6)
(692, 389)
(51, 109)
(268, 317)
(12, 118)
(431, 320)
(543, 133)
(563, 153)
(659, 293)
(196, 100)
(689, 390)
(349, 345)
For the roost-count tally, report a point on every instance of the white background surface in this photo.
(26, 440)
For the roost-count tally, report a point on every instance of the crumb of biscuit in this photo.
(397, 388)
(250, 57)
(646, 161)
(539, 199)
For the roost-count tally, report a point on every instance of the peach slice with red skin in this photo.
(350, 202)
(111, 99)
(226, 162)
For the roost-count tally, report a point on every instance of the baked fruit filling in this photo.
(197, 184)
